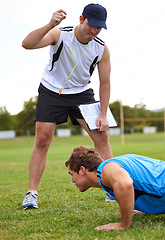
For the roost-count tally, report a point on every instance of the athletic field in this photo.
(65, 213)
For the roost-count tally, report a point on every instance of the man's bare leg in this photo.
(43, 138)
(100, 139)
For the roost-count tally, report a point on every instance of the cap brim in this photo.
(97, 23)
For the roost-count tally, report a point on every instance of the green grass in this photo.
(64, 212)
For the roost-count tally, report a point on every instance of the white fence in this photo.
(7, 134)
(148, 130)
(114, 131)
(63, 132)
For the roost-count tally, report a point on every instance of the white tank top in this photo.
(61, 63)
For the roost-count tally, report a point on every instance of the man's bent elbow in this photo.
(24, 45)
(129, 185)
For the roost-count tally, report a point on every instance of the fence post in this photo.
(122, 122)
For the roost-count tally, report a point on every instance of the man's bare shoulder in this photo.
(110, 166)
(55, 35)
(110, 171)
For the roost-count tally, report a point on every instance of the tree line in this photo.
(24, 122)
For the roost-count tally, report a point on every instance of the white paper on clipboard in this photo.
(91, 112)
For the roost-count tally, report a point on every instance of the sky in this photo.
(135, 38)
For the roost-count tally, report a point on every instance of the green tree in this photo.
(24, 122)
(6, 122)
(115, 108)
(138, 111)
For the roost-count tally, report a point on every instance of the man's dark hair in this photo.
(84, 156)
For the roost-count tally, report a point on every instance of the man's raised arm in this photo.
(45, 35)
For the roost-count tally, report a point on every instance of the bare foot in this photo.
(135, 212)
(110, 226)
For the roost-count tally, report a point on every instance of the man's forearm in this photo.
(125, 198)
(104, 98)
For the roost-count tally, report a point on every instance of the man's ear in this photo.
(82, 170)
(81, 19)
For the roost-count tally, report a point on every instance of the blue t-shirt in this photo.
(148, 177)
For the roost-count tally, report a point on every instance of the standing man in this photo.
(74, 53)
(135, 181)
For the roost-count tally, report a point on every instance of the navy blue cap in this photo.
(96, 15)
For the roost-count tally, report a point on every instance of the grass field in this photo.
(65, 213)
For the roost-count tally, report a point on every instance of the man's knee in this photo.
(102, 138)
(43, 136)
(42, 143)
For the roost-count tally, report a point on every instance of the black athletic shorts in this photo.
(52, 107)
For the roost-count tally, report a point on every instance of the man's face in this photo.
(89, 32)
(79, 179)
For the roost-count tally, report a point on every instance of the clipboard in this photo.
(90, 113)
